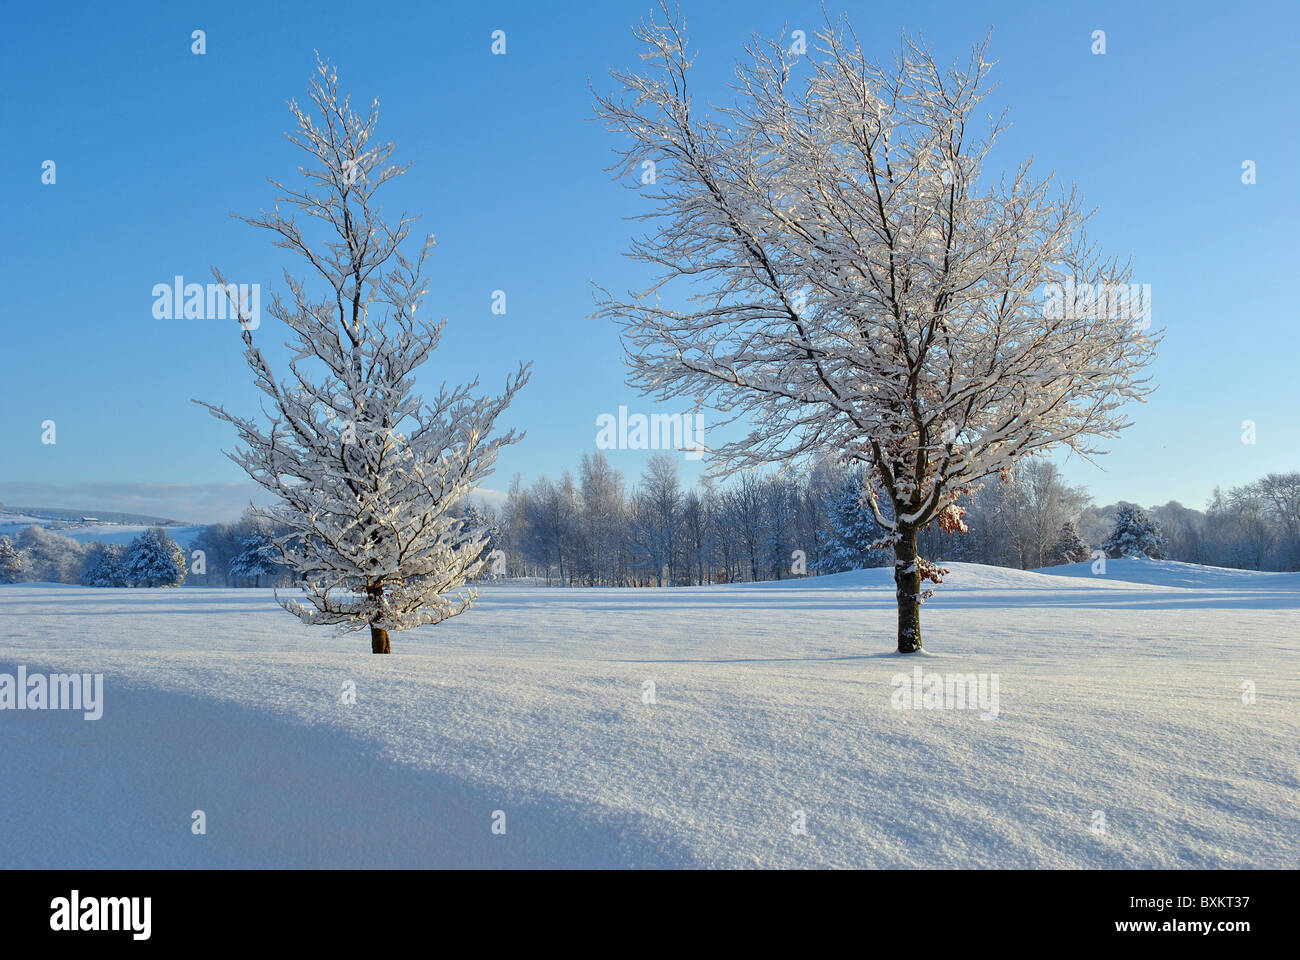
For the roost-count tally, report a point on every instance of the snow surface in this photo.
(1120, 693)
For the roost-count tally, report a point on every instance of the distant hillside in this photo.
(103, 527)
(11, 514)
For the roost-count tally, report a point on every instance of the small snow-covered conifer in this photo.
(1069, 546)
(154, 559)
(1135, 534)
(853, 529)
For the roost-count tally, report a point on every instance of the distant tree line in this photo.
(38, 555)
(597, 530)
(240, 554)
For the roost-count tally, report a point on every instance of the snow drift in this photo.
(1147, 719)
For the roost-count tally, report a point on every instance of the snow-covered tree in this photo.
(1281, 493)
(1135, 534)
(154, 559)
(698, 535)
(105, 566)
(257, 558)
(779, 510)
(853, 529)
(513, 529)
(819, 488)
(368, 473)
(604, 517)
(1069, 546)
(478, 527)
(551, 518)
(220, 543)
(1258, 524)
(744, 522)
(1031, 508)
(11, 562)
(49, 557)
(853, 281)
(657, 518)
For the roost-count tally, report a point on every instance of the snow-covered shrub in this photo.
(11, 562)
(50, 557)
(105, 566)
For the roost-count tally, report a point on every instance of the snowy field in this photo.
(1120, 693)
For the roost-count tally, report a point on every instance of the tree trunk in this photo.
(378, 637)
(907, 580)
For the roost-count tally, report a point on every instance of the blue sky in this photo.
(155, 146)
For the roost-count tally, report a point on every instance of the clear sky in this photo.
(154, 146)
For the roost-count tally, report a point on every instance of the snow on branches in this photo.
(368, 473)
(851, 278)
(1135, 534)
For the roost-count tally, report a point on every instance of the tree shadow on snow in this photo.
(119, 792)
